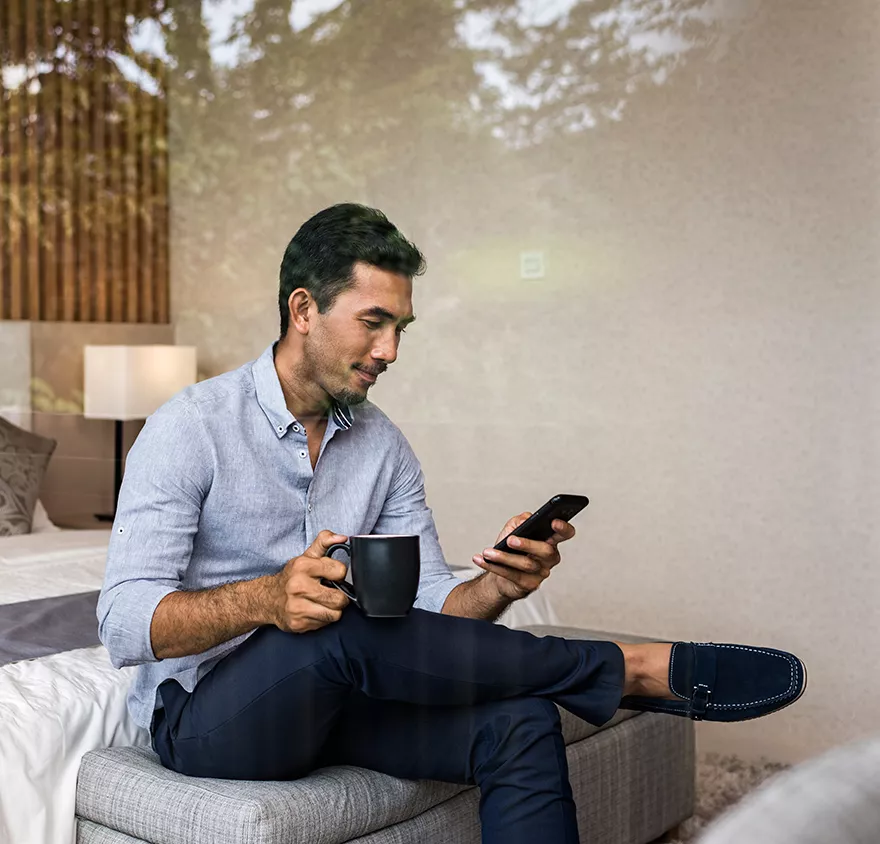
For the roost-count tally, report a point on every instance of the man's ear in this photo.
(299, 302)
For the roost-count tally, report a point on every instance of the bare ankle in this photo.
(646, 669)
(633, 668)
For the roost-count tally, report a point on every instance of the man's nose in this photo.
(386, 354)
(386, 351)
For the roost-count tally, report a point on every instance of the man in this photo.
(251, 668)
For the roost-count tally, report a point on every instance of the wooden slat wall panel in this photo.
(84, 166)
(146, 130)
(65, 182)
(47, 195)
(15, 206)
(98, 239)
(83, 11)
(160, 247)
(130, 226)
(31, 180)
(115, 183)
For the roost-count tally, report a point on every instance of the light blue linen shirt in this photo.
(219, 487)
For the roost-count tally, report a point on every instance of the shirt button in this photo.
(310, 508)
(296, 428)
(303, 454)
(280, 428)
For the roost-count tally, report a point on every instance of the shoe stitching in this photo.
(788, 691)
(671, 667)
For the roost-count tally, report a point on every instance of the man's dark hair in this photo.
(322, 254)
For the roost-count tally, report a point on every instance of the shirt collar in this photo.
(270, 397)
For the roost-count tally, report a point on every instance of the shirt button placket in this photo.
(303, 453)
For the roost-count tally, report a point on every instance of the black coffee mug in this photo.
(385, 572)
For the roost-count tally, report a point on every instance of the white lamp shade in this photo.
(131, 382)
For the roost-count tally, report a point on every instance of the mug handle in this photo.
(343, 586)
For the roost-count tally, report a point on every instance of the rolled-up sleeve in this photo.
(168, 472)
(406, 511)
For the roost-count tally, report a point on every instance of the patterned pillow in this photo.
(23, 460)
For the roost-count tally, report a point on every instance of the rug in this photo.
(722, 781)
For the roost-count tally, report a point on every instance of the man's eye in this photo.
(379, 325)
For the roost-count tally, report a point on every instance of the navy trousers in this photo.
(425, 696)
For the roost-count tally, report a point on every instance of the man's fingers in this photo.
(531, 547)
(524, 579)
(514, 561)
(515, 522)
(328, 567)
(324, 615)
(564, 531)
(318, 567)
(327, 596)
(333, 598)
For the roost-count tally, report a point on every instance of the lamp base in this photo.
(105, 517)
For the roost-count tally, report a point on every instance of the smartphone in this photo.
(540, 524)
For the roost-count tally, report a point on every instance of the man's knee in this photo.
(532, 712)
(514, 727)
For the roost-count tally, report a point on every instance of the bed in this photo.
(55, 708)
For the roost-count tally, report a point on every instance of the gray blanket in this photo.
(46, 626)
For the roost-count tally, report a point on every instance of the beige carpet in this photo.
(722, 781)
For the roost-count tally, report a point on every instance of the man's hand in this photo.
(521, 575)
(294, 600)
(300, 602)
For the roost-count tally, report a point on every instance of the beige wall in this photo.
(15, 381)
(701, 358)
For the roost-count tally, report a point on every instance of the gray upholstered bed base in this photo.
(631, 782)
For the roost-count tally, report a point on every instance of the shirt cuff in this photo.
(125, 629)
(433, 598)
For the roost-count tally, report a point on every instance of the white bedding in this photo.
(43, 565)
(57, 708)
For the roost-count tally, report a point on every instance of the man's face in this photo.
(357, 339)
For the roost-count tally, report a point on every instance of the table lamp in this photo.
(131, 382)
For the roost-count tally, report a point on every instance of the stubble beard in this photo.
(343, 396)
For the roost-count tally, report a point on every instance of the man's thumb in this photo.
(323, 541)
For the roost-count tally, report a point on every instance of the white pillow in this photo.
(41, 522)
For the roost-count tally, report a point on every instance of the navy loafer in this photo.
(726, 682)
